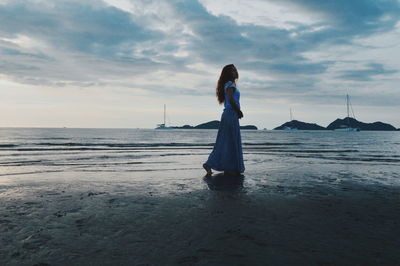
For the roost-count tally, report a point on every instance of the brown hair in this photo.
(228, 73)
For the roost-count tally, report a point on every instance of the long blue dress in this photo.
(227, 153)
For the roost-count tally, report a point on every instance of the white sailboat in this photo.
(291, 119)
(348, 127)
(163, 125)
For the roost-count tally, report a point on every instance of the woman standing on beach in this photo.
(227, 154)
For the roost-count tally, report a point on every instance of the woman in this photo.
(227, 154)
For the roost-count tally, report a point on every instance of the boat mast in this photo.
(291, 115)
(164, 113)
(348, 110)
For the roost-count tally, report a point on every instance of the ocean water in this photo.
(272, 158)
(119, 196)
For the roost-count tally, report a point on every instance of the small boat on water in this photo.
(163, 125)
(347, 127)
(290, 128)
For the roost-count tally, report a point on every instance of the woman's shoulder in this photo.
(230, 84)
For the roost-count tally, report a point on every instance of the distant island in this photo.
(299, 125)
(212, 125)
(362, 126)
(338, 123)
(295, 124)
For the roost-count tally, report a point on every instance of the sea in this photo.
(289, 159)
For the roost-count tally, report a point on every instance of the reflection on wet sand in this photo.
(224, 182)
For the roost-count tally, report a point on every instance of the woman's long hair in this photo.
(229, 73)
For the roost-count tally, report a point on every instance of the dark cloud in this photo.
(86, 26)
(370, 71)
(363, 15)
(87, 41)
(299, 67)
(345, 20)
(221, 39)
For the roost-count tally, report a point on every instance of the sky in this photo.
(115, 63)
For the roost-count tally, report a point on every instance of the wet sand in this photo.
(181, 218)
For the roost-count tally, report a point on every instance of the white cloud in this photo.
(263, 13)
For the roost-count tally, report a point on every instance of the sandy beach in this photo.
(182, 218)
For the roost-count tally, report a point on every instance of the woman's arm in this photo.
(232, 101)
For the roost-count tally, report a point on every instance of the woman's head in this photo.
(228, 73)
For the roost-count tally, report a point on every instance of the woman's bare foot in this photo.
(208, 169)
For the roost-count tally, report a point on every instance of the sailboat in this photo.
(291, 121)
(163, 125)
(348, 127)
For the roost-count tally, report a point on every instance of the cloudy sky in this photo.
(114, 63)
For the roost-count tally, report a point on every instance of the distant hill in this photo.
(208, 125)
(338, 123)
(300, 125)
(212, 125)
(249, 127)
